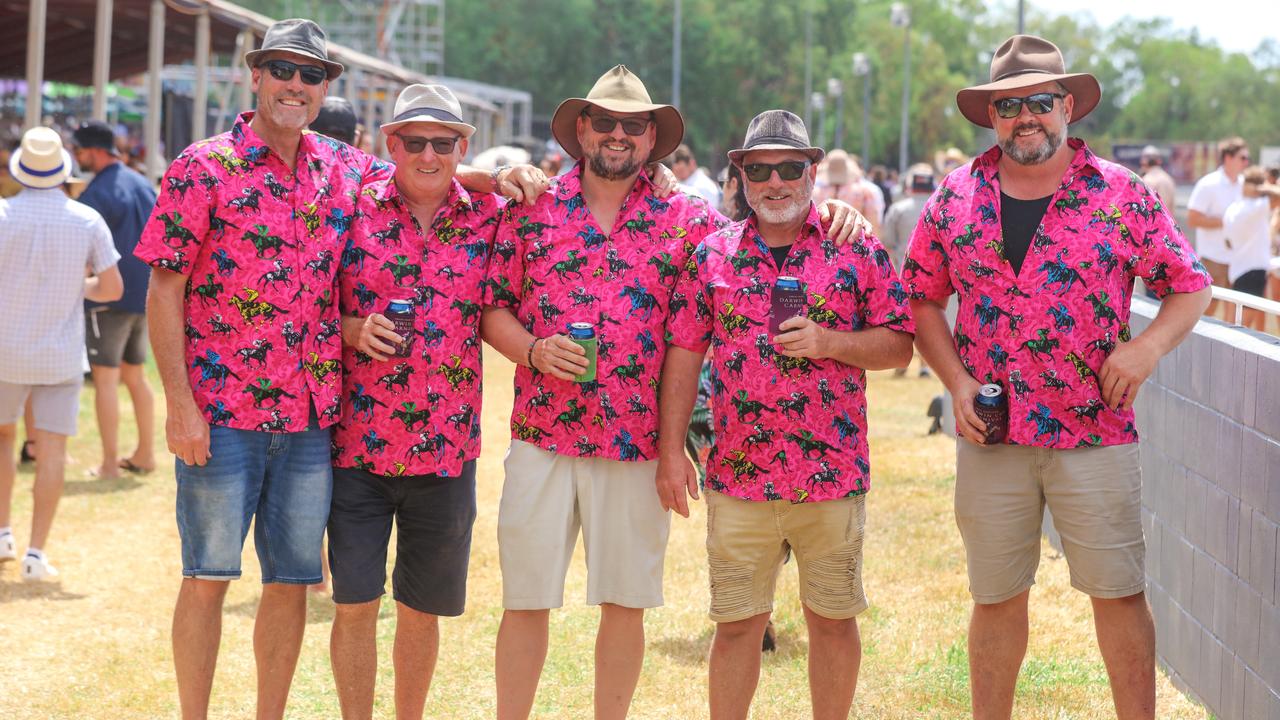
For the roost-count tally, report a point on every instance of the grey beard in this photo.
(622, 172)
(1037, 155)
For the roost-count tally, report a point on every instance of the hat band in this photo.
(1028, 71)
(38, 173)
(433, 113)
(779, 139)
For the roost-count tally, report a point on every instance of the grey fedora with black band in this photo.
(297, 36)
(776, 130)
(1025, 61)
(428, 103)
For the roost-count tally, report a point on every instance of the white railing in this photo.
(1245, 300)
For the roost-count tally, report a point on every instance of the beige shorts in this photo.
(547, 497)
(1094, 495)
(56, 407)
(747, 543)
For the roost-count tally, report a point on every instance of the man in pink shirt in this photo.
(599, 248)
(789, 467)
(1042, 240)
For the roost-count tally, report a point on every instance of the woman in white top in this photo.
(1247, 223)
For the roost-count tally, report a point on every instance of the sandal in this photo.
(26, 454)
(127, 465)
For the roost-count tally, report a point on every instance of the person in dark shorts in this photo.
(1247, 223)
(116, 333)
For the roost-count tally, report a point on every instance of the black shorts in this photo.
(114, 335)
(1253, 282)
(433, 517)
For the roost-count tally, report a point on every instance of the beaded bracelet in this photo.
(529, 355)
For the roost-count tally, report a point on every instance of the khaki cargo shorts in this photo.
(1094, 495)
(748, 541)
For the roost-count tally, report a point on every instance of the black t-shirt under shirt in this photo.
(779, 255)
(1018, 222)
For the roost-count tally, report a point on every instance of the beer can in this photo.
(992, 407)
(584, 334)
(402, 313)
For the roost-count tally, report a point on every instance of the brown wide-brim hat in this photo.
(297, 36)
(620, 91)
(1024, 61)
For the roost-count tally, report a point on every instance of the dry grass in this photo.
(96, 644)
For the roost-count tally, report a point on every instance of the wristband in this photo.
(529, 355)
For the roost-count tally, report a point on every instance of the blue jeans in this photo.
(284, 479)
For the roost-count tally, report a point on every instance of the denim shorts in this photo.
(279, 481)
(433, 517)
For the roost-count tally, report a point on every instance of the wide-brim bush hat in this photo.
(1024, 61)
(620, 91)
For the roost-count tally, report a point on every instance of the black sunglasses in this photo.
(606, 124)
(283, 71)
(788, 170)
(1038, 104)
(416, 143)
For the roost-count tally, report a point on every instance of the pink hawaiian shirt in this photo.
(1044, 333)
(418, 415)
(552, 265)
(261, 244)
(786, 428)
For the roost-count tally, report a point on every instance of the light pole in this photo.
(818, 101)
(900, 16)
(836, 90)
(862, 67)
(675, 57)
(808, 64)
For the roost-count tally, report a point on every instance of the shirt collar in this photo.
(249, 144)
(458, 197)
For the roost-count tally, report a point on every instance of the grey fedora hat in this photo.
(776, 130)
(297, 36)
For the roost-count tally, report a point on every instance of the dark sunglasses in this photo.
(283, 71)
(1038, 104)
(416, 143)
(788, 170)
(606, 123)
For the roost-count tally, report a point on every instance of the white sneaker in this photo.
(7, 549)
(36, 568)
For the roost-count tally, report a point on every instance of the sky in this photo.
(1236, 25)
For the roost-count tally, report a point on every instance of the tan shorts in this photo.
(55, 408)
(545, 499)
(747, 543)
(1094, 495)
(1217, 272)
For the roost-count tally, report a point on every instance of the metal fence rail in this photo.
(1245, 300)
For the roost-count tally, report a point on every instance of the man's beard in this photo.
(1036, 155)
(795, 211)
(618, 170)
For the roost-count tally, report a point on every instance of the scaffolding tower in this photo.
(408, 33)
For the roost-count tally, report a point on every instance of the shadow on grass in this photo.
(689, 651)
(19, 590)
(319, 608)
(100, 486)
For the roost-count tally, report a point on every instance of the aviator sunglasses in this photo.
(1038, 104)
(416, 143)
(788, 170)
(283, 71)
(604, 124)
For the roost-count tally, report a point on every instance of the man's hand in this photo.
(803, 338)
(664, 181)
(1124, 371)
(522, 183)
(842, 222)
(187, 432)
(968, 425)
(373, 335)
(559, 357)
(676, 476)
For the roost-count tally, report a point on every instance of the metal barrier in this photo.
(1245, 300)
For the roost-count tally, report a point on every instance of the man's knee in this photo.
(357, 612)
(205, 591)
(751, 628)
(829, 628)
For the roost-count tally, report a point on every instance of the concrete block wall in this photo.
(1209, 418)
